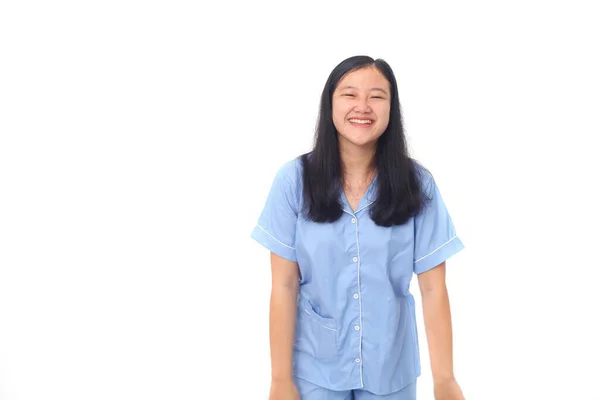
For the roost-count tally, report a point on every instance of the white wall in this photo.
(138, 141)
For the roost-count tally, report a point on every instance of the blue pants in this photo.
(310, 391)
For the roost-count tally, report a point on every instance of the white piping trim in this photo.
(362, 384)
(355, 212)
(455, 236)
(289, 247)
(326, 327)
(365, 206)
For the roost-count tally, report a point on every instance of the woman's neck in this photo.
(358, 164)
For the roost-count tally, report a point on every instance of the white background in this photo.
(138, 141)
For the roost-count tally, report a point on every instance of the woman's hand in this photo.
(283, 390)
(447, 390)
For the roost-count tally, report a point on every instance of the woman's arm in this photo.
(438, 326)
(282, 318)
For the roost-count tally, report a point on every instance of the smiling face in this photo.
(361, 107)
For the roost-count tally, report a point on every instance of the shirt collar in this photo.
(369, 197)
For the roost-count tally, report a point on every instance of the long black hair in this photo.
(399, 189)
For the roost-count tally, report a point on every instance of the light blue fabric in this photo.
(310, 391)
(355, 322)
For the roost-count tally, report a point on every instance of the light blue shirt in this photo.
(355, 321)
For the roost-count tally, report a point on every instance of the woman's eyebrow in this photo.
(372, 89)
(380, 89)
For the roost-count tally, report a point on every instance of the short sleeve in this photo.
(276, 227)
(435, 236)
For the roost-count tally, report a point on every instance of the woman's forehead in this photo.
(364, 78)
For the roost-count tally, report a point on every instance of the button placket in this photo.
(357, 296)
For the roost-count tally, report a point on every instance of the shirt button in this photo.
(353, 220)
(356, 295)
(355, 259)
(357, 360)
(356, 327)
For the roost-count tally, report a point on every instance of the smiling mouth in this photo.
(361, 121)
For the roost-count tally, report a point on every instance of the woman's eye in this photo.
(377, 97)
(348, 94)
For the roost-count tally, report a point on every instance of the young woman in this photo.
(347, 226)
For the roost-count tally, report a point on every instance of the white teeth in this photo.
(361, 121)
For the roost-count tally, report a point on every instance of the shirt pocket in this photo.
(314, 334)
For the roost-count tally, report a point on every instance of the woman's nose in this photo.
(362, 105)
